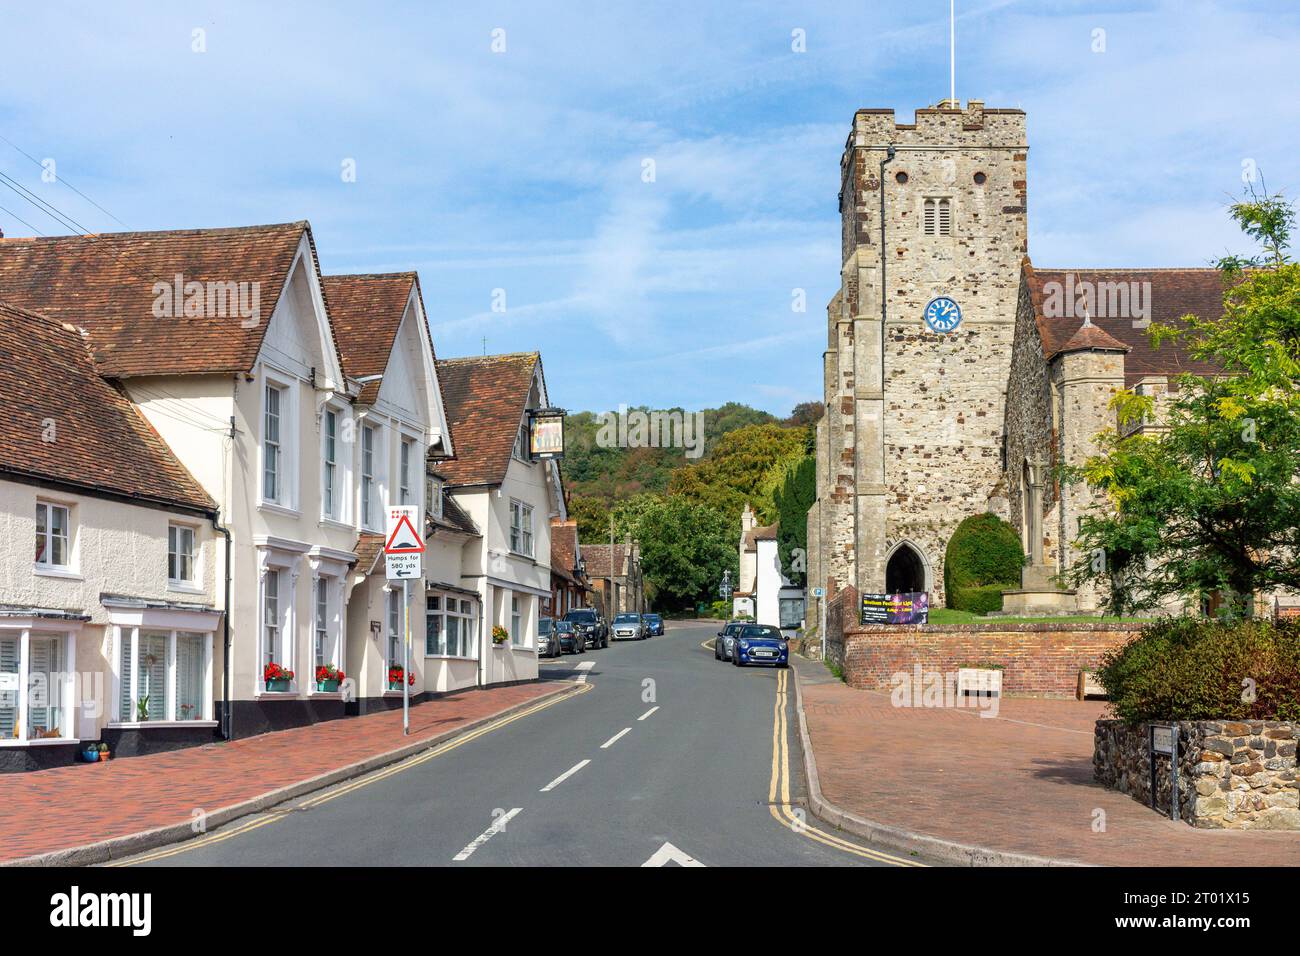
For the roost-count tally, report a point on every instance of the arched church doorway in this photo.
(905, 571)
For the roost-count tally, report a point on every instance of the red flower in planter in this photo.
(274, 671)
(395, 675)
(328, 672)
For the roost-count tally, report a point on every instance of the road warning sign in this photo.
(403, 543)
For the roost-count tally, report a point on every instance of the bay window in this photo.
(53, 535)
(271, 626)
(323, 653)
(395, 631)
(163, 675)
(449, 627)
(36, 685)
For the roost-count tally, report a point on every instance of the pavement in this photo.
(88, 813)
(661, 756)
(1013, 789)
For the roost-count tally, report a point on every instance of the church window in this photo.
(937, 218)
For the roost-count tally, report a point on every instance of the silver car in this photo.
(724, 648)
(628, 627)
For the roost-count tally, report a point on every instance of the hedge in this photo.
(982, 560)
(977, 600)
(1199, 669)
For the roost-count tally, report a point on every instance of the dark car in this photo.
(726, 642)
(761, 644)
(654, 625)
(548, 638)
(571, 642)
(589, 623)
(628, 627)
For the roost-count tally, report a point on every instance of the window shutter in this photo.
(42, 662)
(929, 217)
(125, 712)
(9, 699)
(945, 218)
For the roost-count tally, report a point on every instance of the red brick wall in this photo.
(1041, 660)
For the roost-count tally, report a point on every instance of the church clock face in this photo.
(942, 314)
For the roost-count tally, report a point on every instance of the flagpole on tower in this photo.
(952, 51)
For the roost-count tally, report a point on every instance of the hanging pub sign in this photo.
(545, 433)
(912, 607)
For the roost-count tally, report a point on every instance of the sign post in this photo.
(1164, 740)
(403, 561)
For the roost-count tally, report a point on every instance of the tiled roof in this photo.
(51, 389)
(564, 544)
(596, 557)
(367, 549)
(1173, 294)
(1090, 337)
(762, 533)
(366, 312)
(486, 397)
(105, 283)
(455, 517)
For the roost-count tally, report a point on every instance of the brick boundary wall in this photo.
(1038, 660)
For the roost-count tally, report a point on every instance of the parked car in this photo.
(628, 627)
(590, 624)
(548, 638)
(571, 642)
(726, 642)
(654, 624)
(761, 644)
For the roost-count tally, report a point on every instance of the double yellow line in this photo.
(263, 819)
(778, 797)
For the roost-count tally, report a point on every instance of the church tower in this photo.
(919, 341)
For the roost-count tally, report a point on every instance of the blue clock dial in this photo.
(942, 314)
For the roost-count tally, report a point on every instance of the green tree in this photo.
(1212, 504)
(796, 494)
(740, 470)
(685, 547)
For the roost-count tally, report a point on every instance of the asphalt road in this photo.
(666, 754)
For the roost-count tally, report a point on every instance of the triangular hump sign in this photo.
(404, 539)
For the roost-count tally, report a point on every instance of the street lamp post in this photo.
(725, 591)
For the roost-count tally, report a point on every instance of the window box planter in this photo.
(327, 678)
(396, 675)
(276, 678)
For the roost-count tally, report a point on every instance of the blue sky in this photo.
(522, 170)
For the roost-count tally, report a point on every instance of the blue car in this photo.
(761, 644)
(654, 625)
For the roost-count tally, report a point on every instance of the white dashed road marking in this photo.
(613, 740)
(585, 667)
(648, 712)
(564, 776)
(489, 833)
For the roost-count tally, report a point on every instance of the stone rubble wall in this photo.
(1238, 775)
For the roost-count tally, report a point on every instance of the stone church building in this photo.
(957, 375)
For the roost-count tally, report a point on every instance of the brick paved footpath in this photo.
(1020, 782)
(72, 806)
